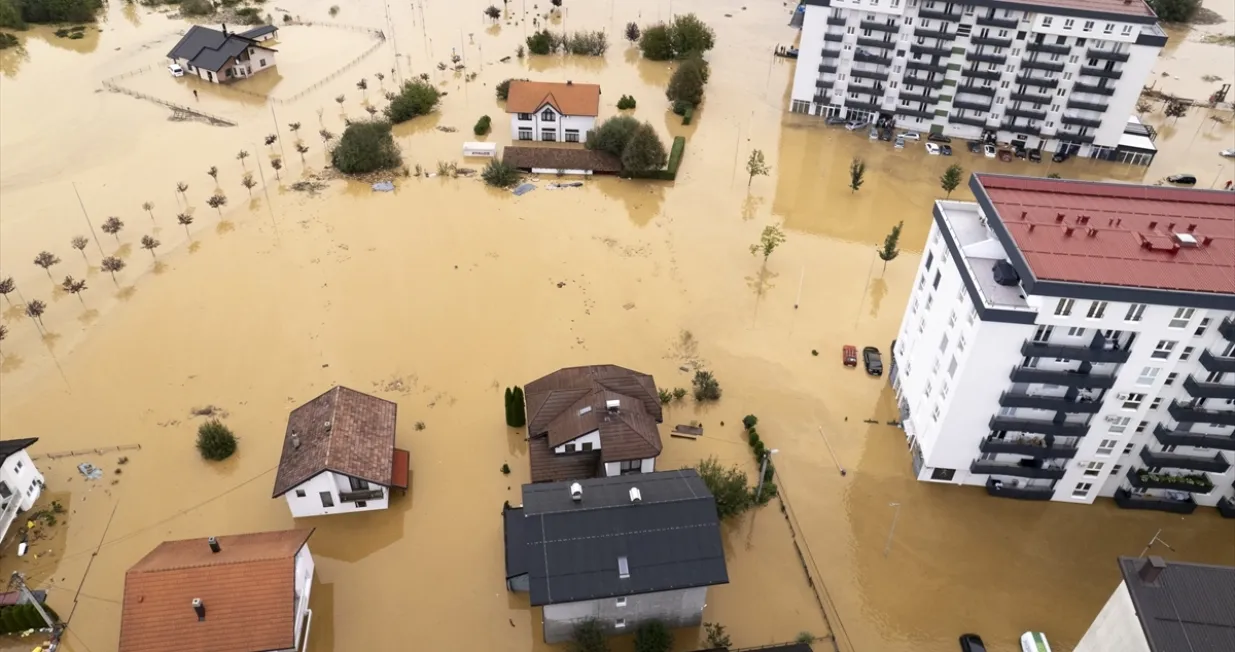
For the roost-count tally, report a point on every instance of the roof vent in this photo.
(569, 83)
(199, 608)
(1153, 225)
(584, 410)
(1067, 231)
(576, 491)
(1005, 274)
(635, 496)
(214, 544)
(1059, 217)
(1186, 239)
(326, 426)
(295, 441)
(613, 404)
(1191, 228)
(1151, 569)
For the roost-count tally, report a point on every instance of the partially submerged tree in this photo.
(690, 35)
(771, 238)
(248, 183)
(857, 174)
(644, 151)
(417, 97)
(74, 286)
(706, 387)
(756, 166)
(656, 42)
(891, 243)
(516, 412)
(111, 265)
(215, 441)
(362, 86)
(632, 32)
(301, 148)
(503, 88)
(325, 134)
(241, 156)
(493, 12)
(35, 310)
(7, 287)
(112, 226)
(148, 206)
(150, 244)
(79, 243)
(1175, 109)
(951, 179)
(588, 637)
(613, 134)
(184, 219)
(214, 173)
(276, 164)
(686, 84)
(294, 127)
(271, 140)
(46, 259)
(217, 202)
(728, 485)
(716, 636)
(366, 146)
(541, 42)
(499, 175)
(181, 188)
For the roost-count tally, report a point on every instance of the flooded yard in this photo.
(442, 293)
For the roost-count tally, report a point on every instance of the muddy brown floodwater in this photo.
(443, 292)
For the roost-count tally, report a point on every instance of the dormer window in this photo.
(525, 116)
(548, 115)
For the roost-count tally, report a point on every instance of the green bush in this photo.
(612, 135)
(675, 155)
(482, 126)
(626, 102)
(215, 441)
(686, 35)
(706, 387)
(588, 637)
(653, 636)
(196, 8)
(416, 98)
(366, 146)
(503, 88)
(728, 486)
(516, 413)
(16, 13)
(592, 44)
(499, 175)
(1175, 11)
(541, 42)
(656, 43)
(644, 151)
(686, 84)
(664, 395)
(749, 420)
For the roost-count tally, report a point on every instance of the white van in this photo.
(1034, 642)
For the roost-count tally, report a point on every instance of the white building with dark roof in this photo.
(1056, 75)
(223, 56)
(20, 481)
(1066, 340)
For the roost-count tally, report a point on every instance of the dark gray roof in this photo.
(12, 446)
(1188, 608)
(259, 31)
(516, 542)
(671, 538)
(209, 49)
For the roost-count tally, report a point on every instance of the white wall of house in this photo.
(304, 584)
(23, 483)
(306, 498)
(645, 466)
(1117, 628)
(577, 443)
(620, 615)
(549, 125)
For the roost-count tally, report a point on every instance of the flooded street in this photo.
(443, 292)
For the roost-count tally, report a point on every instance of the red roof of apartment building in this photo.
(1116, 234)
(1127, 7)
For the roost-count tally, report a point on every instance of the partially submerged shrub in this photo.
(482, 126)
(626, 102)
(500, 175)
(728, 485)
(706, 387)
(612, 135)
(366, 146)
(542, 42)
(215, 441)
(588, 43)
(416, 98)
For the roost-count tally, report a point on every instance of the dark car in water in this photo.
(1035, 156)
(1060, 157)
(945, 150)
(1182, 179)
(872, 361)
(938, 138)
(974, 147)
(834, 120)
(972, 643)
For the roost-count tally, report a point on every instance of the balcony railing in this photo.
(991, 41)
(1040, 82)
(1226, 507)
(941, 34)
(990, 21)
(880, 27)
(827, 67)
(875, 91)
(1049, 66)
(930, 51)
(1101, 72)
(1193, 483)
(1028, 114)
(1182, 412)
(972, 106)
(988, 91)
(1086, 106)
(868, 74)
(1227, 329)
(986, 57)
(969, 120)
(974, 73)
(1070, 137)
(1168, 437)
(904, 110)
(939, 15)
(1200, 389)
(1012, 127)
(1050, 48)
(1160, 460)
(822, 99)
(1039, 426)
(356, 496)
(1056, 403)
(831, 53)
(1016, 469)
(836, 20)
(1081, 122)
(825, 83)
(914, 80)
(1031, 97)
(1020, 492)
(833, 38)
(1031, 349)
(1128, 500)
(1031, 446)
(1106, 55)
(862, 106)
(876, 43)
(867, 57)
(926, 66)
(1214, 362)
(919, 97)
(1093, 89)
(1065, 378)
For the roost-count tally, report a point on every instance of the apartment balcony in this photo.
(831, 53)
(1040, 82)
(875, 91)
(925, 98)
(1029, 130)
(1093, 89)
(1226, 507)
(862, 106)
(1086, 106)
(822, 99)
(1038, 426)
(1160, 460)
(986, 57)
(825, 83)
(1106, 55)
(836, 20)
(974, 73)
(904, 110)
(876, 43)
(927, 67)
(875, 26)
(1056, 403)
(1193, 483)
(1128, 500)
(940, 15)
(1214, 362)
(1027, 492)
(1031, 349)
(1081, 122)
(1065, 378)
(357, 496)
(968, 120)
(1101, 72)
(1069, 137)
(990, 21)
(1028, 114)
(1049, 66)
(833, 38)
(867, 57)
(988, 91)
(1017, 469)
(1168, 437)
(1031, 97)
(972, 106)
(941, 34)
(991, 41)
(1181, 412)
(913, 80)
(930, 51)
(828, 67)
(1032, 446)
(1227, 329)
(1049, 48)
(868, 74)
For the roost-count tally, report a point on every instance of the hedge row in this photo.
(670, 173)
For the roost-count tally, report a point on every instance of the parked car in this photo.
(1060, 157)
(1021, 152)
(874, 135)
(885, 134)
(1034, 642)
(900, 143)
(175, 70)
(932, 149)
(849, 355)
(872, 361)
(854, 125)
(974, 147)
(834, 120)
(911, 135)
(1182, 179)
(1035, 156)
(938, 138)
(1229, 153)
(988, 150)
(972, 643)
(945, 150)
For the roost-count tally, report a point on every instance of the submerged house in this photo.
(223, 56)
(240, 593)
(339, 455)
(621, 551)
(20, 481)
(552, 112)
(594, 421)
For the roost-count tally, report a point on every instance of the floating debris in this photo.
(384, 186)
(523, 189)
(89, 471)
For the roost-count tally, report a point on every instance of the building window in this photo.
(358, 485)
(1156, 403)
(930, 258)
(1134, 312)
(943, 474)
(927, 390)
(548, 135)
(1148, 376)
(1127, 30)
(1181, 318)
(1088, 26)
(952, 367)
(621, 602)
(300, 493)
(1106, 447)
(630, 466)
(1046, 21)
(1133, 401)
(935, 283)
(1096, 310)
(1128, 448)
(525, 116)
(1068, 23)
(1108, 28)
(327, 499)
(1170, 378)
(5, 492)
(1076, 332)
(17, 467)
(1064, 307)
(620, 623)
(1164, 349)
(960, 344)
(1200, 330)
(525, 134)
(548, 115)
(569, 448)
(943, 343)
(623, 567)
(935, 413)
(943, 392)
(572, 135)
(586, 446)
(930, 301)
(799, 106)
(1082, 489)
(952, 319)
(1094, 469)
(1120, 424)
(360, 504)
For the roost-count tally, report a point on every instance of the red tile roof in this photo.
(247, 588)
(1132, 8)
(569, 99)
(344, 431)
(1118, 234)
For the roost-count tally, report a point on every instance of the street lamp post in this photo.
(763, 470)
(892, 530)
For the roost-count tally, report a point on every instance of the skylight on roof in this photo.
(623, 567)
(584, 410)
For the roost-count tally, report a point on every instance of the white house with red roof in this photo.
(552, 112)
(1069, 340)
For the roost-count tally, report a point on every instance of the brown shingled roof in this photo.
(248, 590)
(343, 431)
(567, 99)
(561, 158)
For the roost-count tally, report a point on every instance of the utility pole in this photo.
(763, 471)
(87, 216)
(1155, 539)
(892, 530)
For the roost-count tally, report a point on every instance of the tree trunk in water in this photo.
(113, 279)
(186, 232)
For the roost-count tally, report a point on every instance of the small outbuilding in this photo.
(561, 160)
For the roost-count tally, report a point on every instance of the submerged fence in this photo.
(179, 109)
(88, 451)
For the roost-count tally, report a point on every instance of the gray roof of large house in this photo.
(670, 538)
(259, 31)
(13, 446)
(1187, 608)
(209, 49)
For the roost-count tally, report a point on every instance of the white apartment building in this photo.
(1067, 340)
(1057, 75)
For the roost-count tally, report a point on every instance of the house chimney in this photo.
(1059, 217)
(1151, 569)
(224, 29)
(1067, 231)
(1191, 228)
(326, 426)
(295, 441)
(569, 83)
(1206, 240)
(214, 544)
(576, 492)
(1153, 225)
(199, 608)
(635, 496)
(613, 404)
